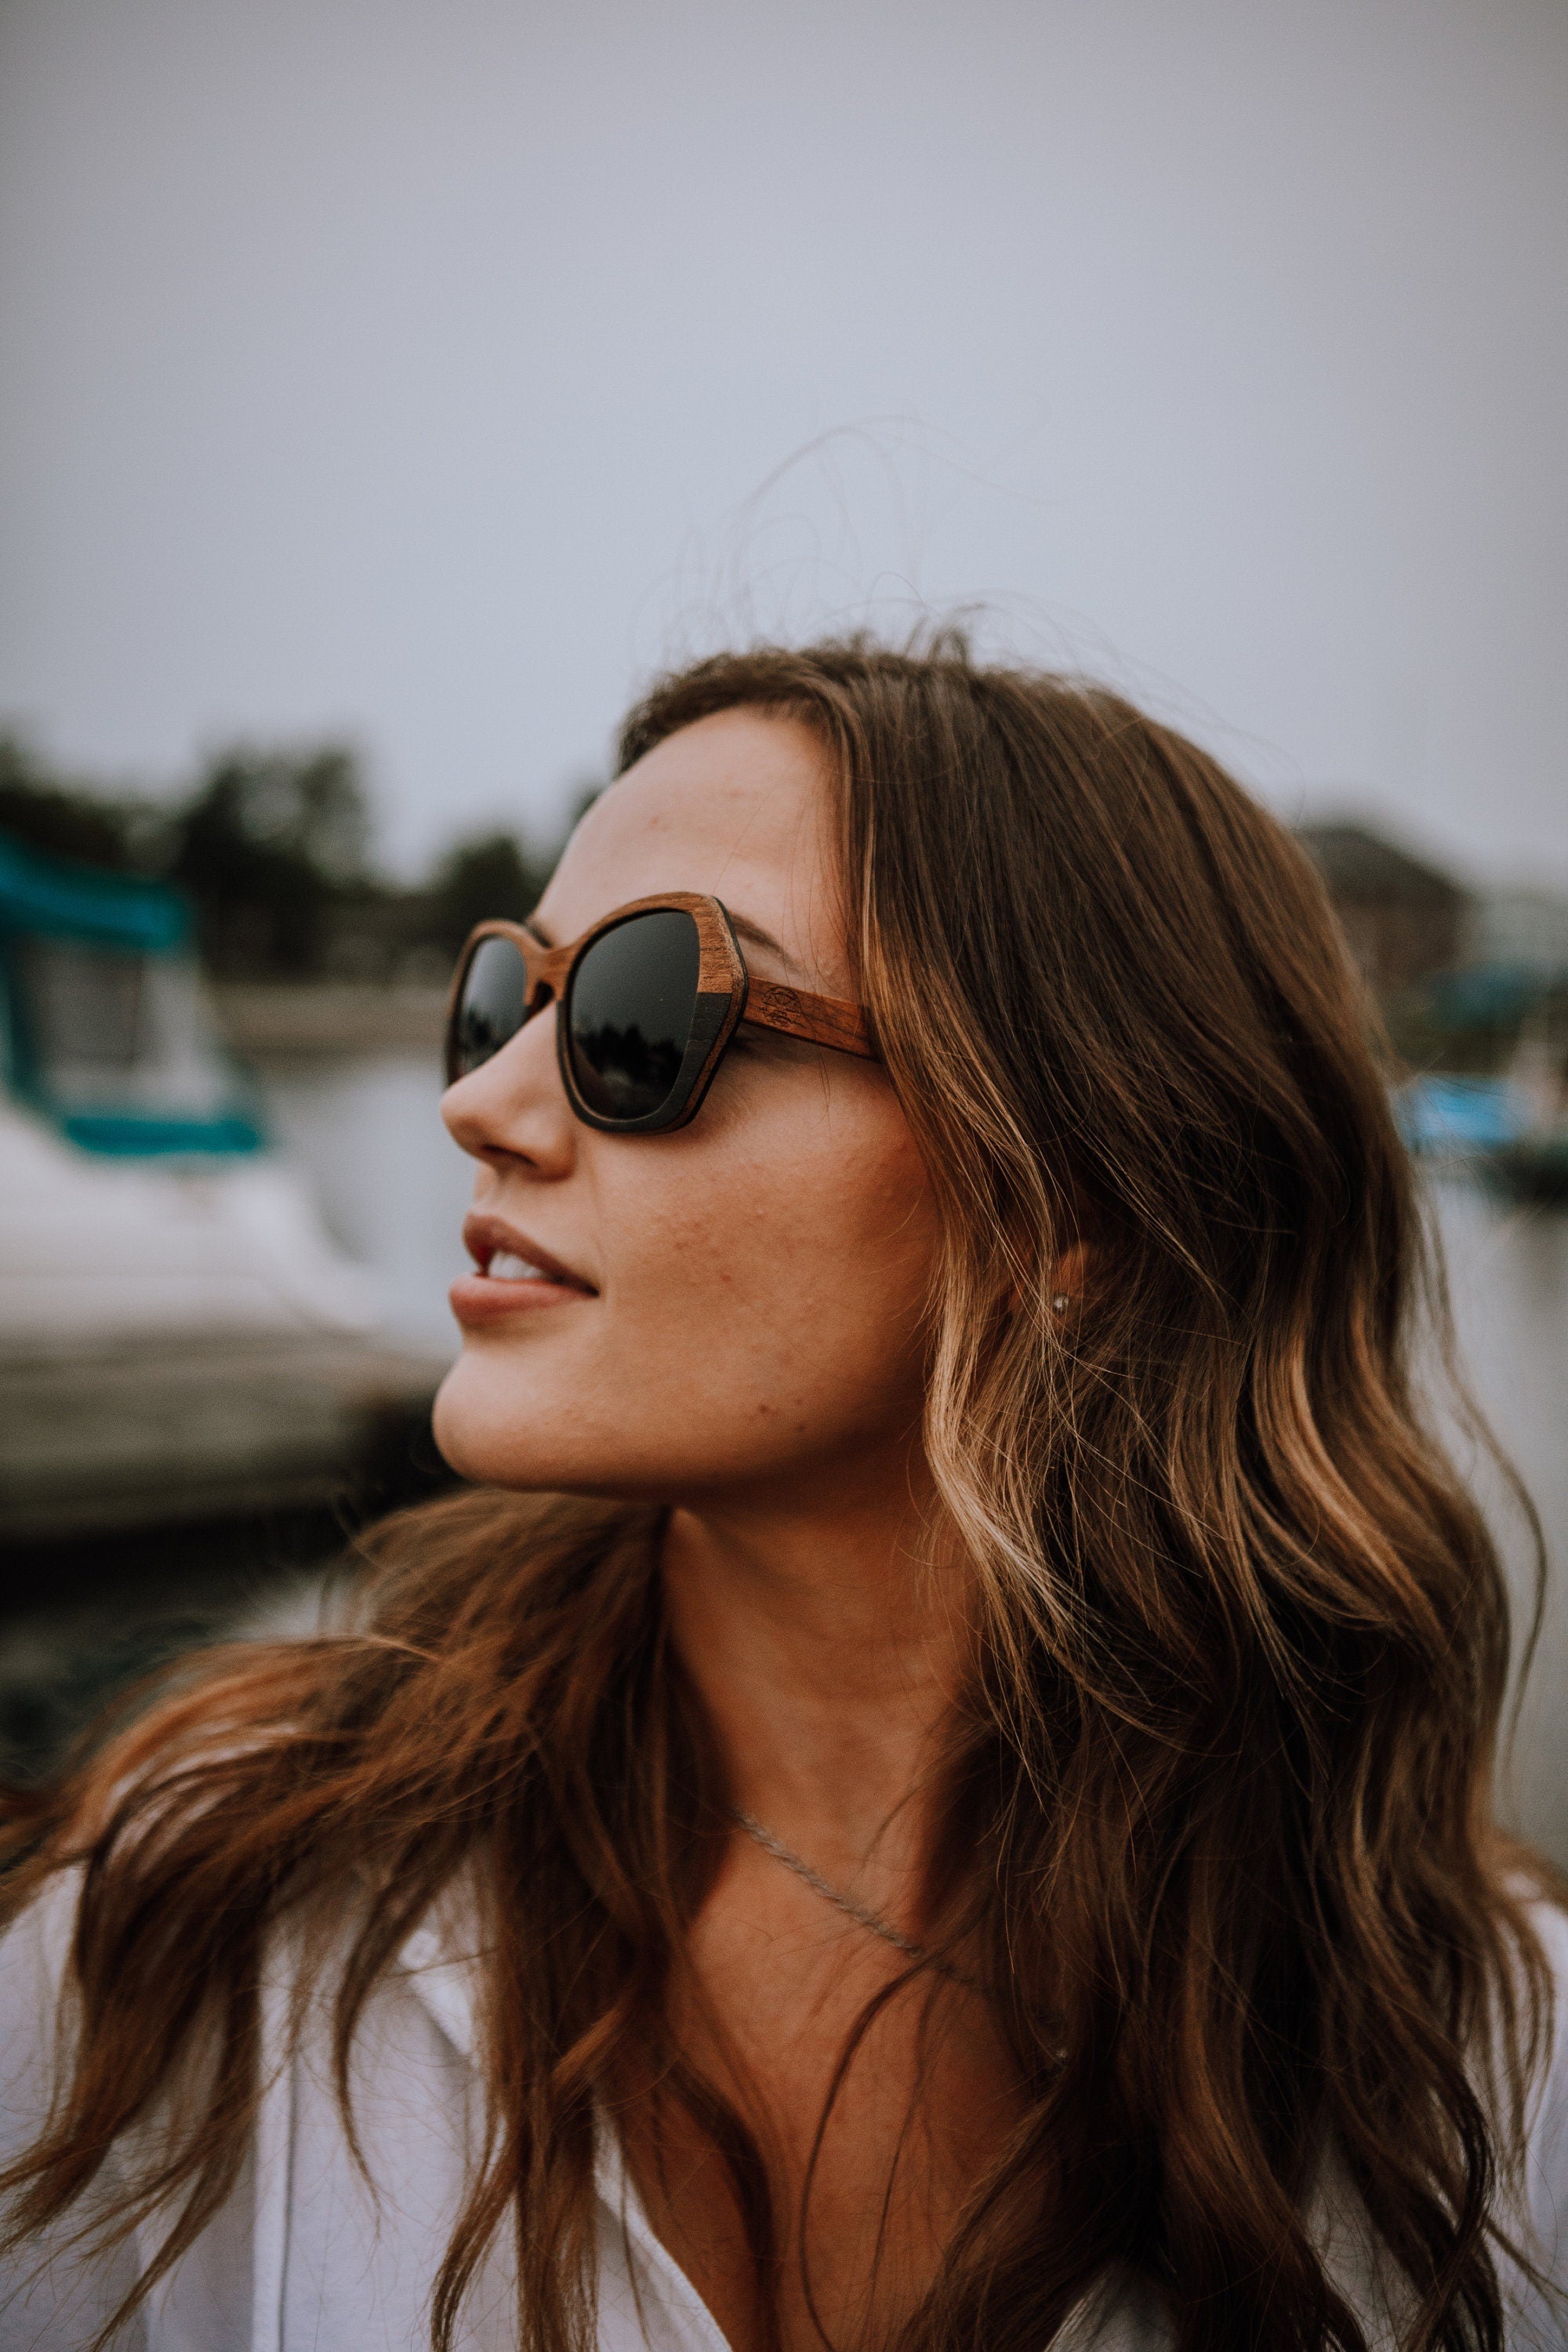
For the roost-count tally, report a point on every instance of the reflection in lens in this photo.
(490, 1006)
(634, 997)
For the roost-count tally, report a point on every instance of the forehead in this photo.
(739, 805)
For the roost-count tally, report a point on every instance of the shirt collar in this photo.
(441, 1962)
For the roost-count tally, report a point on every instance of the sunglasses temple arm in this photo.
(820, 1019)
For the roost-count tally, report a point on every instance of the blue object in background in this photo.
(1459, 1116)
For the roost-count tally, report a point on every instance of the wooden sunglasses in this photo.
(646, 1003)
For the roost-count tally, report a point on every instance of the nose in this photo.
(514, 1107)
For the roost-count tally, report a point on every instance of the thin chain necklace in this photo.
(860, 1913)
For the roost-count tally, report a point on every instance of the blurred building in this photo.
(1404, 919)
(1527, 930)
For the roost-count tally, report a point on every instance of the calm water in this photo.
(395, 1187)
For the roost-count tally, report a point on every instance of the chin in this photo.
(492, 1432)
(526, 1434)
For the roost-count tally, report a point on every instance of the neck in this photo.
(827, 1645)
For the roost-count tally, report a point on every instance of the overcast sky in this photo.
(427, 370)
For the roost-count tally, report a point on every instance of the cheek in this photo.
(805, 1272)
(764, 1301)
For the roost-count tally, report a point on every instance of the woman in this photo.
(972, 1828)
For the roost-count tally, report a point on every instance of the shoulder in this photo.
(50, 2300)
(1546, 2142)
(330, 2238)
(1533, 2205)
(35, 1943)
(35, 1985)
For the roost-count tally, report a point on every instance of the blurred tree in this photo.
(61, 818)
(268, 846)
(491, 874)
(272, 847)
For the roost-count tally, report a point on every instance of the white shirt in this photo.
(310, 2256)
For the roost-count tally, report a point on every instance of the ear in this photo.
(1070, 1276)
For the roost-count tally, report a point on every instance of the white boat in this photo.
(97, 1250)
(179, 1335)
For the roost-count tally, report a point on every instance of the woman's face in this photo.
(744, 1299)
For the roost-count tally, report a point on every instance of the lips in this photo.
(513, 1274)
(503, 1254)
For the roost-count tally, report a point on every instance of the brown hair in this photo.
(1226, 1774)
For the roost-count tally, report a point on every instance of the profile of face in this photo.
(738, 1305)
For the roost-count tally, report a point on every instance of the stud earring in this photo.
(1062, 1302)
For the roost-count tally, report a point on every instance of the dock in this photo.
(282, 1020)
(161, 1433)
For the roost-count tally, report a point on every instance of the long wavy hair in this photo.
(1217, 1834)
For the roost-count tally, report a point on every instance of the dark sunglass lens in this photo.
(633, 1000)
(490, 1006)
